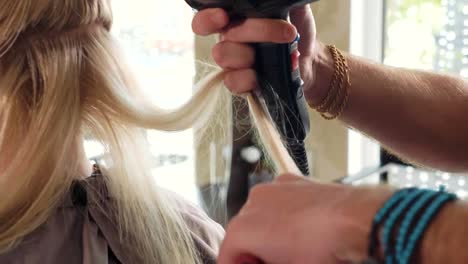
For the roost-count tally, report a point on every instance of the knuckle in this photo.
(252, 77)
(243, 55)
(240, 81)
(268, 31)
(235, 81)
(218, 54)
(250, 55)
(228, 80)
(195, 26)
(292, 32)
(259, 191)
(287, 178)
(221, 56)
(199, 25)
(234, 227)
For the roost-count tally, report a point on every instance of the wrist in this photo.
(421, 240)
(365, 204)
(320, 68)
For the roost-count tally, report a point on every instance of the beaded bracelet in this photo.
(426, 203)
(409, 219)
(426, 219)
(392, 220)
(381, 214)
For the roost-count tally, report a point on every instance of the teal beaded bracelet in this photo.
(408, 220)
(421, 227)
(381, 215)
(426, 203)
(392, 220)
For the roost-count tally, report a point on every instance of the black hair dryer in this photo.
(277, 67)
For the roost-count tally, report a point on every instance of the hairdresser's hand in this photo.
(297, 221)
(235, 54)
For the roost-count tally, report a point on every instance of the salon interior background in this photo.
(423, 34)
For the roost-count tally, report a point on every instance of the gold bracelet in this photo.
(342, 97)
(338, 94)
(324, 106)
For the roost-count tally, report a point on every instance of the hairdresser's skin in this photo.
(419, 115)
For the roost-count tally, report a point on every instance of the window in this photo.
(431, 35)
(438, 30)
(413, 28)
(366, 41)
(418, 34)
(159, 45)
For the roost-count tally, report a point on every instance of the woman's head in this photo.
(44, 50)
(20, 18)
(43, 45)
(61, 76)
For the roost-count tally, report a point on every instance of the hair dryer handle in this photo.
(277, 67)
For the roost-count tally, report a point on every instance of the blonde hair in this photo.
(62, 76)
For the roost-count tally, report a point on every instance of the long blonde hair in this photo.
(61, 75)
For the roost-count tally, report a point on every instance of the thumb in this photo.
(303, 19)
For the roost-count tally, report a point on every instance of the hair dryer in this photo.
(281, 86)
(277, 67)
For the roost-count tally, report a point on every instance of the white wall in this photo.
(366, 40)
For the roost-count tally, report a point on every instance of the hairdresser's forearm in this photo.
(419, 115)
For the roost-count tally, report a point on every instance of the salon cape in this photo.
(80, 232)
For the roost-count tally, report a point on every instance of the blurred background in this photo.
(165, 55)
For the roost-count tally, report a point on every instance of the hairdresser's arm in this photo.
(296, 221)
(421, 116)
